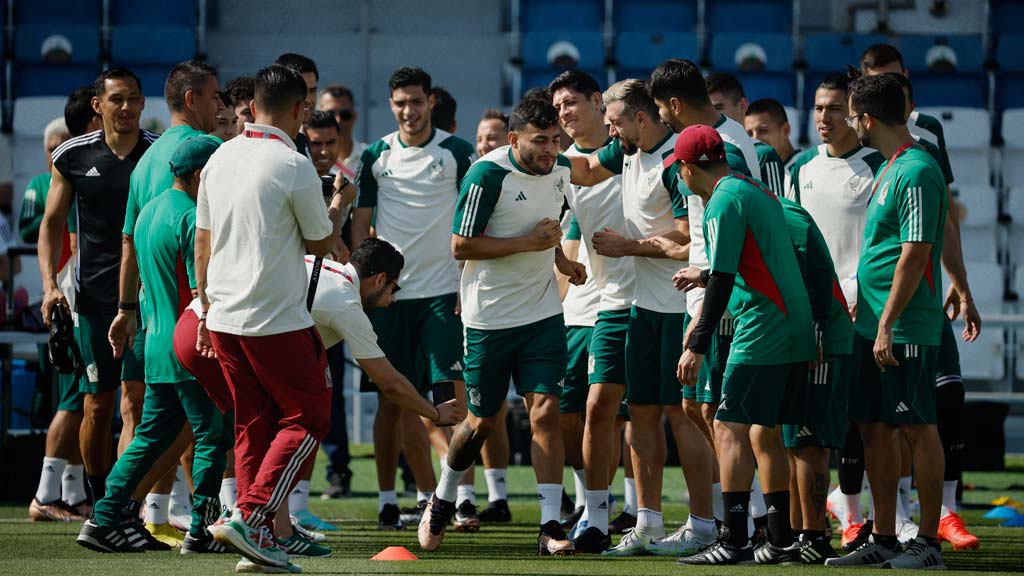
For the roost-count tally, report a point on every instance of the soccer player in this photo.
(240, 90)
(899, 320)
(227, 120)
(655, 229)
(165, 230)
(726, 94)
(766, 121)
(338, 100)
(408, 184)
(602, 384)
(324, 137)
(93, 171)
(511, 310)
(492, 131)
(442, 115)
(311, 76)
(879, 59)
(753, 271)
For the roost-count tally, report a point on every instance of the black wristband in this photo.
(705, 275)
(128, 306)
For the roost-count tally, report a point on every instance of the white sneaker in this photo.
(836, 505)
(906, 530)
(179, 515)
(246, 566)
(682, 542)
(633, 543)
(919, 555)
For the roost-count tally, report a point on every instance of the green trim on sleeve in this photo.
(734, 156)
(673, 182)
(478, 195)
(611, 157)
(574, 232)
(366, 182)
(463, 152)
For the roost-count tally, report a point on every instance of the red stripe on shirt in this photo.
(755, 272)
(837, 294)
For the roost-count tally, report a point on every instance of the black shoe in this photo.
(768, 553)
(108, 538)
(339, 486)
(148, 542)
(201, 545)
(552, 541)
(390, 518)
(622, 523)
(466, 519)
(573, 518)
(816, 550)
(412, 515)
(721, 553)
(496, 511)
(568, 506)
(862, 536)
(592, 541)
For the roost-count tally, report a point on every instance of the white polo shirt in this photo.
(260, 199)
(338, 310)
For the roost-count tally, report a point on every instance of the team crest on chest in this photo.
(437, 167)
(883, 194)
(560, 185)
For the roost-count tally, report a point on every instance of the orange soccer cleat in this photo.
(952, 530)
(853, 537)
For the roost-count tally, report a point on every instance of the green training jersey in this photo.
(152, 175)
(908, 205)
(164, 243)
(771, 167)
(746, 235)
(928, 129)
(33, 206)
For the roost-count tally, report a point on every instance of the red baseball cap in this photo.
(697, 145)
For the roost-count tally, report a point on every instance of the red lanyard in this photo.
(896, 155)
(261, 135)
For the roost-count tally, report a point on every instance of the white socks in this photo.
(650, 523)
(448, 485)
(228, 493)
(854, 514)
(903, 498)
(717, 504)
(72, 484)
(388, 497)
(597, 509)
(181, 499)
(629, 495)
(757, 506)
(702, 526)
(298, 500)
(949, 497)
(497, 487)
(423, 496)
(550, 502)
(49, 480)
(157, 508)
(581, 487)
(465, 492)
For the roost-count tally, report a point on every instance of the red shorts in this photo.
(206, 370)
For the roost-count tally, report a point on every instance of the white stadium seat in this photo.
(987, 285)
(32, 114)
(979, 205)
(1013, 150)
(985, 358)
(980, 244)
(969, 128)
(794, 125)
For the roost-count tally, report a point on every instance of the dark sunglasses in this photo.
(344, 115)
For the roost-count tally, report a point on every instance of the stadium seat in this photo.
(645, 50)
(76, 20)
(980, 243)
(985, 358)
(558, 15)
(535, 78)
(950, 90)
(795, 129)
(153, 78)
(31, 115)
(777, 86)
(1013, 151)
(655, 16)
(962, 127)
(763, 16)
(133, 12)
(537, 48)
(51, 79)
(156, 116)
(966, 51)
(828, 53)
(1006, 16)
(728, 50)
(980, 205)
(152, 45)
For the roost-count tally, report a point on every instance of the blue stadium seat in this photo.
(561, 15)
(966, 90)
(830, 52)
(658, 16)
(1006, 16)
(81, 12)
(152, 78)
(32, 79)
(763, 16)
(76, 20)
(970, 55)
(645, 50)
(779, 86)
(129, 12)
(152, 44)
(536, 44)
(542, 78)
(1009, 91)
(778, 51)
(1010, 53)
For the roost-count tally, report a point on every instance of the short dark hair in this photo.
(445, 106)
(114, 74)
(406, 76)
(880, 96)
(838, 81)
(495, 114)
(534, 112)
(770, 106)
(678, 78)
(78, 110)
(725, 84)
(904, 82)
(241, 90)
(190, 75)
(339, 91)
(374, 256)
(880, 55)
(575, 80)
(537, 93)
(225, 99)
(278, 88)
(321, 119)
(299, 63)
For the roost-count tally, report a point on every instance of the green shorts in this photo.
(654, 343)
(764, 395)
(690, 392)
(574, 393)
(134, 366)
(422, 338)
(533, 356)
(947, 368)
(102, 370)
(709, 384)
(903, 394)
(71, 398)
(822, 406)
(607, 364)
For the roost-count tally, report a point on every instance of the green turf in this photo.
(49, 549)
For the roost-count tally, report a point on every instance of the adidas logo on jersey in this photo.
(901, 407)
(93, 172)
(521, 196)
(386, 174)
(457, 367)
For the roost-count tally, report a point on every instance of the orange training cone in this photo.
(394, 553)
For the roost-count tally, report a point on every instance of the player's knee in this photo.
(601, 408)
(544, 411)
(692, 410)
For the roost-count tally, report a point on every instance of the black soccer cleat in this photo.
(592, 541)
(389, 518)
(496, 511)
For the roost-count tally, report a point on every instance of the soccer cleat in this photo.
(56, 511)
(868, 555)
(108, 538)
(299, 546)
(952, 530)
(413, 515)
(466, 520)
(592, 541)
(768, 553)
(339, 486)
(432, 525)
(721, 553)
(257, 544)
(578, 529)
(389, 518)
(682, 542)
(856, 535)
(179, 515)
(165, 533)
(145, 541)
(567, 506)
(633, 543)
(201, 545)
(571, 520)
(310, 535)
(552, 541)
(83, 509)
(246, 566)
(623, 522)
(906, 531)
(815, 550)
(496, 511)
(310, 521)
(919, 555)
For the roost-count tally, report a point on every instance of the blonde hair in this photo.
(55, 127)
(634, 95)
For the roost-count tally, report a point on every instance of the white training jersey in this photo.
(582, 303)
(338, 310)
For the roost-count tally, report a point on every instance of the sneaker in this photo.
(179, 515)
(815, 550)
(568, 506)
(622, 523)
(835, 505)
(56, 511)
(952, 530)
(919, 555)
(201, 545)
(552, 540)
(432, 525)
(633, 543)
(310, 535)
(592, 541)
(906, 530)
(246, 566)
(299, 546)
(868, 555)
(107, 538)
(578, 529)
(466, 520)
(310, 521)
(256, 544)
(413, 515)
(146, 541)
(682, 542)
(721, 553)
(574, 517)
(768, 553)
(856, 535)
(389, 518)
(339, 486)
(165, 533)
(496, 511)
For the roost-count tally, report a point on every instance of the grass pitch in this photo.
(50, 549)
